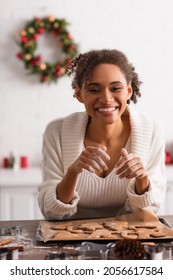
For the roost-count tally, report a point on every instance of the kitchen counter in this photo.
(37, 250)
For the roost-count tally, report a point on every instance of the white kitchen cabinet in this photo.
(18, 194)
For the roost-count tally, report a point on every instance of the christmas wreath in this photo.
(29, 35)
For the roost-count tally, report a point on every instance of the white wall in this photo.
(141, 29)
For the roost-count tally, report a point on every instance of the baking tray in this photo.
(139, 217)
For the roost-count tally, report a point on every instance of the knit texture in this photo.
(94, 196)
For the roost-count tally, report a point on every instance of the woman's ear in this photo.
(78, 94)
(130, 90)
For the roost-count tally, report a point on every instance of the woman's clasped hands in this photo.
(94, 159)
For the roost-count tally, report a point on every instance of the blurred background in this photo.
(143, 30)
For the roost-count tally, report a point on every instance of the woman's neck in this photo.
(106, 134)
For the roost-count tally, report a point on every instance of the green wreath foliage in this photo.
(29, 35)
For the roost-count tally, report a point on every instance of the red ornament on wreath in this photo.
(29, 36)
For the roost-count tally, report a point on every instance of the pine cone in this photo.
(129, 250)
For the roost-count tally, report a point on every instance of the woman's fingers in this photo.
(92, 159)
(124, 152)
(97, 157)
(99, 151)
(93, 163)
(129, 166)
(134, 172)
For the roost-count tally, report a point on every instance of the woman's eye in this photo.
(115, 89)
(93, 90)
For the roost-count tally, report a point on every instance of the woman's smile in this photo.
(107, 109)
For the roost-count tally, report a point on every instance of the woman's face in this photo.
(106, 93)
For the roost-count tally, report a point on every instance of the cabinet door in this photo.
(19, 203)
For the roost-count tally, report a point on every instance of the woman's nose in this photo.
(106, 96)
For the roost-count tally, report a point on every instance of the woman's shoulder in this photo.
(56, 124)
(143, 117)
(147, 125)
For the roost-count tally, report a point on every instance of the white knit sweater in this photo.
(95, 197)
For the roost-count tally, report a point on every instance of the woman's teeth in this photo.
(110, 109)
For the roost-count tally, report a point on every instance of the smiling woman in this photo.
(99, 163)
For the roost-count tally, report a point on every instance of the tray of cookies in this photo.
(141, 225)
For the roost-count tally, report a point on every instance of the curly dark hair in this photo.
(81, 66)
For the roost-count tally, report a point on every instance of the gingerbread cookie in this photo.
(129, 234)
(74, 229)
(61, 226)
(117, 225)
(145, 233)
(90, 226)
(147, 226)
(100, 233)
(64, 234)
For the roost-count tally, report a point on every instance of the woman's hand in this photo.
(92, 159)
(130, 166)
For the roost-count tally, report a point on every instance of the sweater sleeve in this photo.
(52, 174)
(155, 167)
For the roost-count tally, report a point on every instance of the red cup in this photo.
(23, 161)
(5, 162)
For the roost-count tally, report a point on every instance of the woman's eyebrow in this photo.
(93, 84)
(116, 82)
(98, 84)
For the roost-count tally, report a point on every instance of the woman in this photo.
(109, 159)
